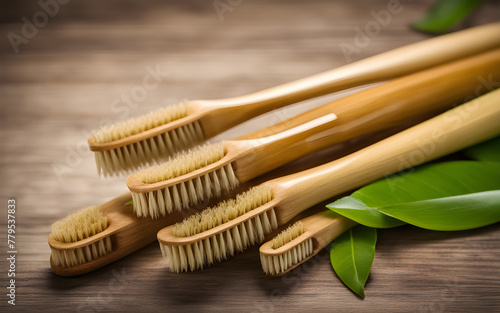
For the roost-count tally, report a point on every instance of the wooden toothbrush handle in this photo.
(408, 59)
(325, 226)
(463, 126)
(412, 98)
(127, 232)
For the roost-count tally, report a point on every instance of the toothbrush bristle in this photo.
(82, 224)
(220, 246)
(289, 234)
(146, 152)
(275, 265)
(188, 193)
(225, 211)
(142, 123)
(183, 163)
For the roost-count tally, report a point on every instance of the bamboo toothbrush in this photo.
(133, 143)
(207, 172)
(301, 241)
(96, 236)
(218, 232)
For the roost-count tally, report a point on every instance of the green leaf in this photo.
(445, 14)
(452, 213)
(130, 202)
(352, 256)
(356, 210)
(488, 151)
(428, 182)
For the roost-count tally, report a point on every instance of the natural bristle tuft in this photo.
(125, 159)
(276, 265)
(188, 193)
(78, 226)
(220, 246)
(224, 211)
(183, 163)
(136, 125)
(288, 235)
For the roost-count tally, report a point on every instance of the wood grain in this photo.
(78, 71)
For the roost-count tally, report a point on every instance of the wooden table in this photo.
(72, 75)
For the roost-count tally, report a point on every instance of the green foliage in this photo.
(448, 196)
(488, 151)
(352, 255)
(451, 213)
(441, 182)
(445, 14)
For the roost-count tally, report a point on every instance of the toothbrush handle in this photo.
(408, 99)
(325, 226)
(463, 126)
(398, 62)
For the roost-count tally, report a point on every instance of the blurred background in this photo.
(69, 67)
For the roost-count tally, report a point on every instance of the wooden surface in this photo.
(70, 77)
